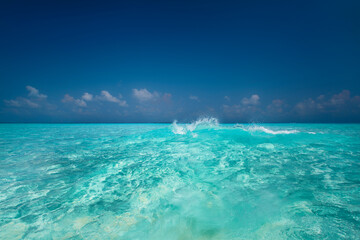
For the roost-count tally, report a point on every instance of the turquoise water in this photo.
(173, 181)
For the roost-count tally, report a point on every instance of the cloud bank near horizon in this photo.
(144, 105)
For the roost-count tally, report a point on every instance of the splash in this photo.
(177, 129)
(189, 128)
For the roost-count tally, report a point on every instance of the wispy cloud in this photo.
(21, 102)
(276, 106)
(35, 100)
(78, 102)
(107, 97)
(246, 105)
(144, 95)
(194, 98)
(33, 92)
(338, 103)
(341, 98)
(253, 100)
(152, 103)
(247, 110)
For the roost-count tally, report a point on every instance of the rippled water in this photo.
(173, 181)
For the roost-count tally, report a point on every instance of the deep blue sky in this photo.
(156, 61)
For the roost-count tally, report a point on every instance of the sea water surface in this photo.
(203, 180)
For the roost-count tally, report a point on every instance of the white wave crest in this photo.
(266, 130)
(189, 128)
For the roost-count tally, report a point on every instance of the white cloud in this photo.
(247, 109)
(36, 100)
(13, 103)
(87, 96)
(21, 102)
(30, 103)
(341, 98)
(144, 95)
(276, 106)
(69, 99)
(107, 97)
(253, 100)
(195, 98)
(33, 92)
(340, 102)
(227, 98)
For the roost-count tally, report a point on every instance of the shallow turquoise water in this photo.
(173, 181)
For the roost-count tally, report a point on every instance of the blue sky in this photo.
(157, 61)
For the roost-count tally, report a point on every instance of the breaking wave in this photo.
(211, 122)
(189, 128)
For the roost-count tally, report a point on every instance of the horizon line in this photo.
(178, 122)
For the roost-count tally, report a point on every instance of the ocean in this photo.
(203, 180)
